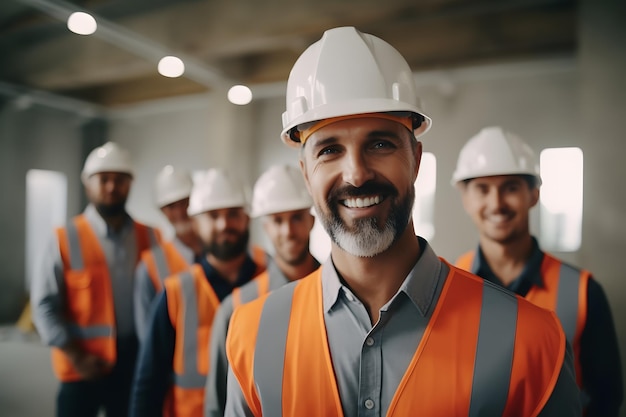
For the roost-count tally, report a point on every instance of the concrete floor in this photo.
(27, 384)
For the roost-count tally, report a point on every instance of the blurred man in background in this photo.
(83, 300)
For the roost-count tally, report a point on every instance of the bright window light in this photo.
(240, 95)
(82, 23)
(424, 207)
(561, 199)
(46, 208)
(171, 66)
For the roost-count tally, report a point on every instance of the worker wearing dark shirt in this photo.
(170, 379)
(499, 182)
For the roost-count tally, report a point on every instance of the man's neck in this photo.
(301, 270)
(507, 260)
(375, 280)
(229, 270)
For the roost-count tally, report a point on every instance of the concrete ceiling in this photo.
(255, 42)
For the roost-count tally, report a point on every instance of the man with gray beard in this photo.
(172, 366)
(384, 327)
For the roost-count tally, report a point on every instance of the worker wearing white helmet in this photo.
(172, 188)
(281, 201)
(384, 326)
(498, 177)
(173, 363)
(83, 301)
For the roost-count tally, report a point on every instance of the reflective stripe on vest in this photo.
(163, 261)
(191, 304)
(259, 286)
(491, 342)
(564, 291)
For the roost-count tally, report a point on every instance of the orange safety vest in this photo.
(162, 261)
(262, 287)
(288, 371)
(89, 297)
(191, 304)
(564, 291)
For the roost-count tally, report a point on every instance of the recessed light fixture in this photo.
(82, 23)
(171, 66)
(240, 95)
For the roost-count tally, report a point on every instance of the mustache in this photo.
(369, 188)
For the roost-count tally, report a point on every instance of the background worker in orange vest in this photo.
(498, 177)
(384, 327)
(172, 188)
(173, 360)
(280, 199)
(83, 300)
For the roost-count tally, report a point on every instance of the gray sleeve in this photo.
(565, 398)
(215, 389)
(143, 295)
(236, 405)
(47, 295)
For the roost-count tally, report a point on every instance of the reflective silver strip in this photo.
(76, 254)
(269, 352)
(567, 300)
(494, 353)
(89, 332)
(249, 292)
(190, 378)
(161, 263)
(152, 236)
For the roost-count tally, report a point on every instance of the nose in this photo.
(356, 170)
(495, 199)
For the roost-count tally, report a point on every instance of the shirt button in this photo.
(369, 341)
(369, 404)
(349, 296)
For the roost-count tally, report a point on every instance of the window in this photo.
(424, 207)
(561, 207)
(46, 208)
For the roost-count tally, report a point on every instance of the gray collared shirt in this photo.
(48, 287)
(369, 361)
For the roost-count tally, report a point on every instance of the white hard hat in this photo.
(280, 188)
(348, 73)
(216, 189)
(171, 185)
(107, 158)
(494, 151)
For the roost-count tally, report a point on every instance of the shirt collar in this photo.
(100, 226)
(530, 274)
(419, 285)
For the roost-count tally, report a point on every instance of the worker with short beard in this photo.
(173, 360)
(83, 300)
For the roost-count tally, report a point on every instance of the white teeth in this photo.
(362, 202)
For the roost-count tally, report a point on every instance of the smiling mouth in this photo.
(362, 202)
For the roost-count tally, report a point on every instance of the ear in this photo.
(417, 155)
(534, 196)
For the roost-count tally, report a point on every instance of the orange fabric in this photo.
(437, 382)
(89, 296)
(305, 134)
(546, 297)
(260, 259)
(175, 263)
(188, 402)
(89, 299)
(465, 261)
(142, 233)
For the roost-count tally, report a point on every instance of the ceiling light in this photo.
(82, 23)
(239, 94)
(171, 66)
